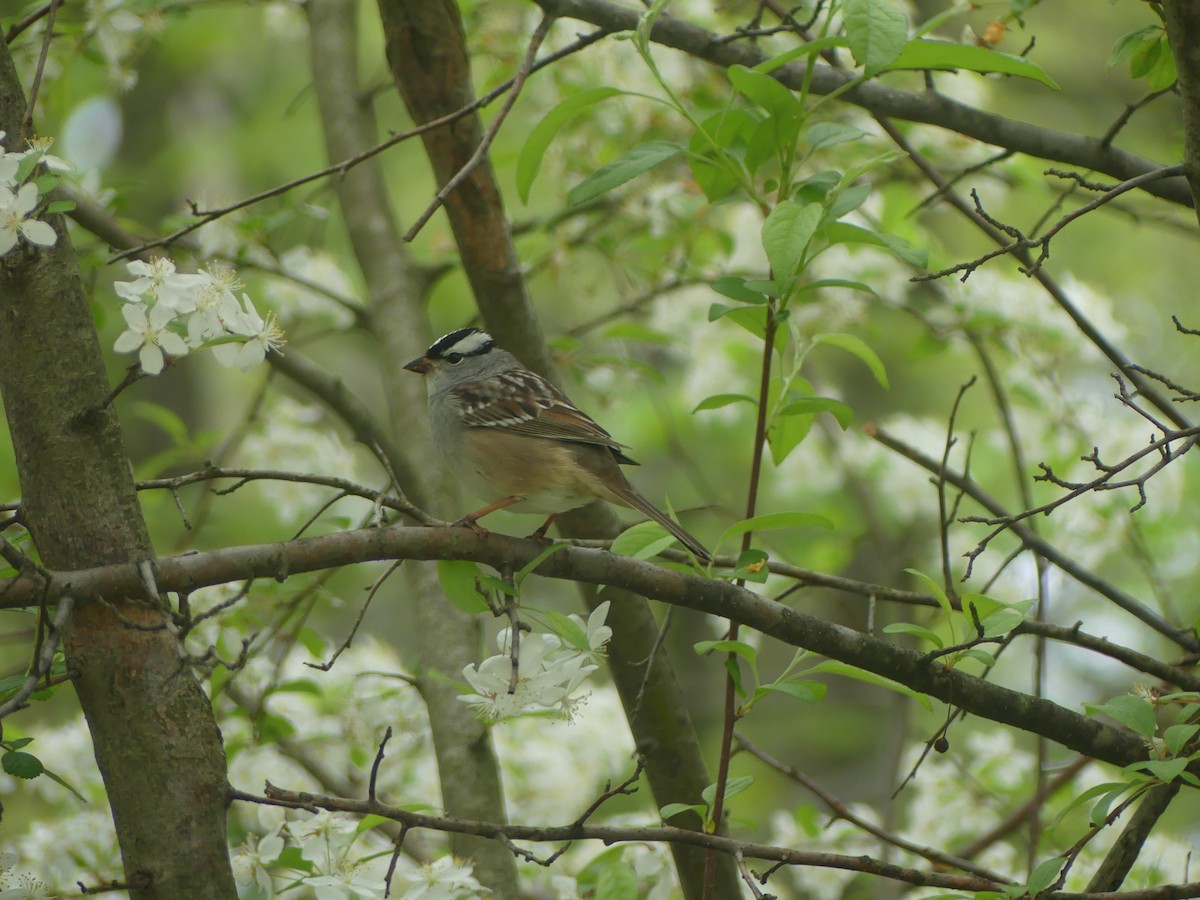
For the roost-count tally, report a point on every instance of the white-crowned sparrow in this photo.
(513, 438)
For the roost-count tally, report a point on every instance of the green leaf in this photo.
(918, 631)
(733, 787)
(1128, 43)
(18, 743)
(827, 134)
(565, 627)
(735, 288)
(459, 581)
(809, 48)
(716, 401)
(1044, 875)
(60, 206)
(785, 433)
(640, 159)
(741, 648)
(808, 691)
(1176, 737)
(751, 566)
(776, 522)
(642, 541)
(845, 233)
(1155, 62)
(925, 54)
(834, 667)
(272, 727)
(20, 764)
(808, 405)
(978, 653)
(822, 283)
(1165, 770)
(369, 821)
(877, 32)
(544, 132)
(752, 318)
(673, 809)
(1133, 712)
(855, 346)
(768, 93)
(532, 565)
(786, 234)
(616, 881)
(714, 169)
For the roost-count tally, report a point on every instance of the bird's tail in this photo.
(650, 511)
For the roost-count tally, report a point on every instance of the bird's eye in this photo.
(453, 358)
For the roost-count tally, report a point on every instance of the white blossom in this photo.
(150, 334)
(443, 879)
(14, 219)
(262, 336)
(254, 856)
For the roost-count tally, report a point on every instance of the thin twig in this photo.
(518, 82)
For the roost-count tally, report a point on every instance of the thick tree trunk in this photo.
(156, 741)
(427, 53)
(467, 764)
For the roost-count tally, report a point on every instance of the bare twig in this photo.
(518, 82)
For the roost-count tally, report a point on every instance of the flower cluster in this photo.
(19, 885)
(549, 669)
(20, 195)
(169, 313)
(336, 865)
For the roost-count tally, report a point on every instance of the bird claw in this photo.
(469, 522)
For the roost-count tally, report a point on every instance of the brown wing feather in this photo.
(525, 403)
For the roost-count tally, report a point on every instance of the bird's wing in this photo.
(523, 402)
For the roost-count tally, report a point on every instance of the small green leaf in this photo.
(1165, 770)
(845, 233)
(978, 653)
(808, 691)
(752, 318)
(18, 743)
(916, 631)
(808, 405)
(673, 809)
(716, 401)
(925, 54)
(642, 541)
(565, 627)
(733, 787)
(741, 648)
(1044, 875)
(1133, 712)
(735, 288)
(827, 134)
(1126, 44)
(60, 206)
(767, 92)
(809, 48)
(616, 881)
(835, 667)
(1176, 737)
(459, 582)
(877, 31)
(272, 727)
(640, 159)
(786, 234)
(785, 433)
(369, 821)
(822, 283)
(19, 764)
(857, 347)
(776, 522)
(544, 132)
(532, 565)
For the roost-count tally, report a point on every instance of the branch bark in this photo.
(719, 598)
(1183, 32)
(928, 108)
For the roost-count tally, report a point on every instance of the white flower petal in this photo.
(38, 232)
(151, 359)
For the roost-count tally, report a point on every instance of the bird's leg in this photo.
(470, 519)
(540, 534)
